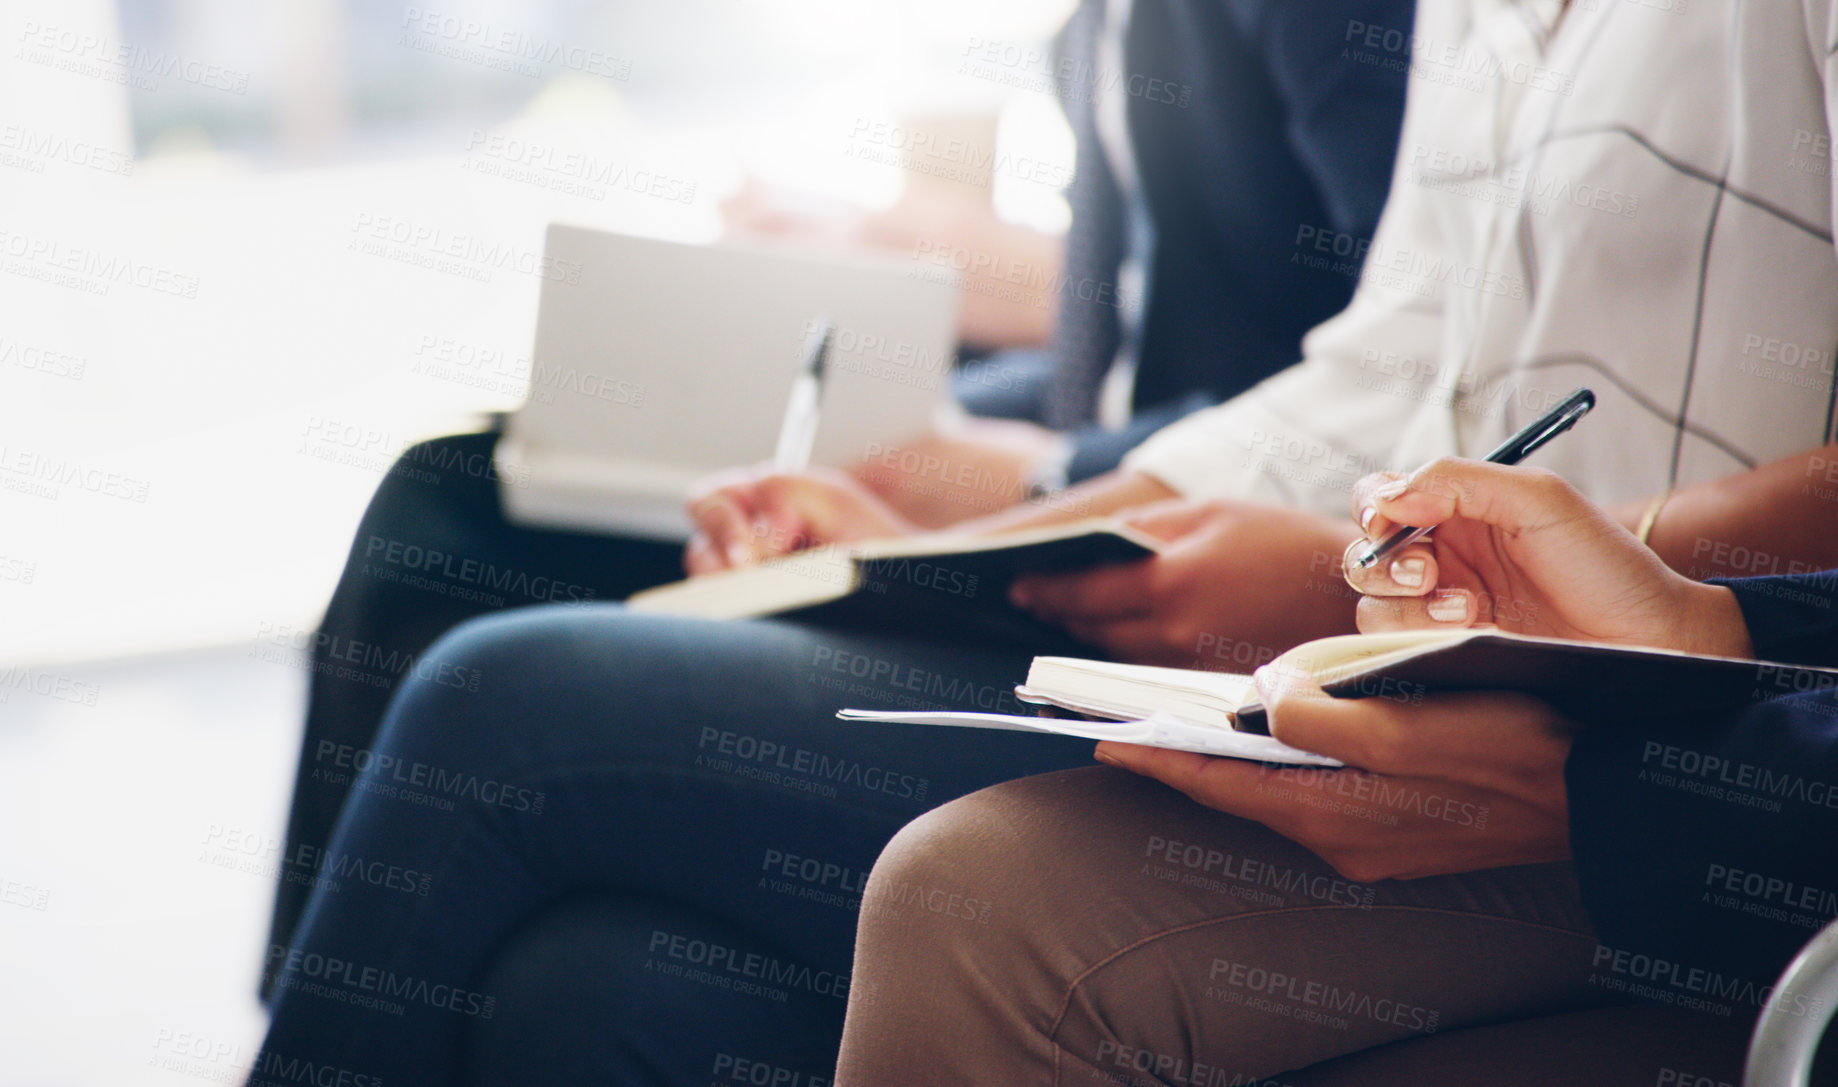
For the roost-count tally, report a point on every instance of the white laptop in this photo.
(657, 363)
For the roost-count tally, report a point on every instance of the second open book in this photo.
(1219, 714)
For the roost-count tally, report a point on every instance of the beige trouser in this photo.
(1093, 927)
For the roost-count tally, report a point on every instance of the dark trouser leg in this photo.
(396, 597)
(576, 1005)
(692, 771)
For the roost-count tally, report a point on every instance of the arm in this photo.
(1748, 867)
(1304, 436)
(1342, 116)
(1097, 449)
(1792, 619)
(1238, 450)
(1708, 852)
(1710, 844)
(1777, 519)
(745, 515)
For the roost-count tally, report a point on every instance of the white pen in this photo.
(798, 433)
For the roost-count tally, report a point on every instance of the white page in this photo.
(1157, 731)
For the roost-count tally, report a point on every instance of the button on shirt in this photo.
(1632, 195)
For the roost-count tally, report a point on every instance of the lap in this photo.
(566, 685)
(693, 770)
(1125, 923)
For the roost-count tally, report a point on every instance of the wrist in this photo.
(1713, 622)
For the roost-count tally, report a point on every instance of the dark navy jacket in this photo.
(1274, 129)
(1707, 849)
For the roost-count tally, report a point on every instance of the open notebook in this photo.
(943, 579)
(1219, 713)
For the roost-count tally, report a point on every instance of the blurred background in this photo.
(249, 251)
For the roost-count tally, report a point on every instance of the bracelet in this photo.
(1651, 516)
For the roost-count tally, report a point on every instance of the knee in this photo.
(435, 489)
(499, 644)
(976, 867)
(478, 657)
(435, 466)
(938, 851)
(497, 679)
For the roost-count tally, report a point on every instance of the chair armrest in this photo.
(1785, 1041)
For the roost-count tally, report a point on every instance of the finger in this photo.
(1360, 503)
(1156, 762)
(1208, 779)
(1410, 572)
(754, 516)
(1361, 732)
(727, 525)
(778, 529)
(1486, 740)
(1514, 499)
(1444, 609)
(1106, 593)
(737, 484)
(703, 557)
(1234, 786)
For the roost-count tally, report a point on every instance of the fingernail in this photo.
(1365, 517)
(738, 555)
(1394, 489)
(1408, 572)
(1107, 759)
(1449, 607)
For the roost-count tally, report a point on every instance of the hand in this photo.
(1521, 549)
(1237, 584)
(967, 468)
(1457, 783)
(747, 515)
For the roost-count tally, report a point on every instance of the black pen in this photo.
(1511, 451)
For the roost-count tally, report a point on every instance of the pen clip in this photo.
(1555, 422)
(1571, 413)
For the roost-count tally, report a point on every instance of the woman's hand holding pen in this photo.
(1520, 549)
(1482, 773)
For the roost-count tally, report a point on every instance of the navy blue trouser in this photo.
(669, 804)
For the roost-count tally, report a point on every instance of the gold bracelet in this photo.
(1651, 516)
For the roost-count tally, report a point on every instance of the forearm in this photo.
(1776, 519)
(1112, 492)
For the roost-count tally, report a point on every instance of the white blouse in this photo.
(1638, 200)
